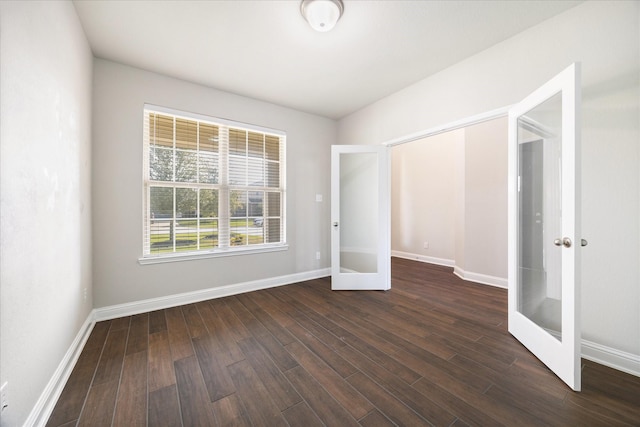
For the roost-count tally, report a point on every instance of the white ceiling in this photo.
(264, 49)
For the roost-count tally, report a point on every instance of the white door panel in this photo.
(544, 224)
(360, 238)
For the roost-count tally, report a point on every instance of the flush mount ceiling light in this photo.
(322, 15)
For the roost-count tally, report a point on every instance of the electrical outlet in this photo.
(85, 294)
(318, 255)
(426, 245)
(4, 401)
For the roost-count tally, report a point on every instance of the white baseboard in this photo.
(498, 282)
(47, 401)
(424, 258)
(145, 306)
(616, 359)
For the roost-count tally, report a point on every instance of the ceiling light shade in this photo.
(322, 15)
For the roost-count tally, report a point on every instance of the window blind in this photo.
(210, 184)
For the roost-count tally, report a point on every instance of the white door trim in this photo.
(447, 127)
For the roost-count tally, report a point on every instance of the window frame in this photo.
(224, 188)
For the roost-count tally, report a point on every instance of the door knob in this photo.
(566, 242)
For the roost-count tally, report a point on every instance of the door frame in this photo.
(448, 127)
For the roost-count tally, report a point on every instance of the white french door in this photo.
(544, 224)
(360, 216)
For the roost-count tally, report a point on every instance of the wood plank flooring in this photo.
(434, 350)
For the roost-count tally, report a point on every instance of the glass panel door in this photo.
(360, 252)
(544, 224)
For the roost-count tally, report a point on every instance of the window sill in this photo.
(160, 259)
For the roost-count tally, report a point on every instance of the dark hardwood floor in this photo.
(434, 350)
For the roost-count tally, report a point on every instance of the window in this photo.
(210, 185)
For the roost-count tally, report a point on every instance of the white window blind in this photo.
(210, 185)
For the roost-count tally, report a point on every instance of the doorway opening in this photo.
(449, 200)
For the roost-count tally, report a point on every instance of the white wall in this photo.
(45, 206)
(423, 197)
(119, 95)
(485, 195)
(604, 37)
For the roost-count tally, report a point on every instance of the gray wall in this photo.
(604, 36)
(45, 206)
(119, 95)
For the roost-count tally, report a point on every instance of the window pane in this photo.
(160, 130)
(208, 203)
(186, 235)
(161, 202)
(186, 134)
(209, 137)
(237, 170)
(273, 174)
(273, 204)
(161, 164)
(186, 202)
(160, 236)
(237, 142)
(238, 235)
(208, 233)
(208, 167)
(238, 204)
(238, 221)
(161, 222)
(186, 166)
(186, 154)
(256, 145)
(272, 230)
(255, 203)
(256, 172)
(272, 147)
(255, 232)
